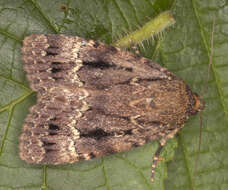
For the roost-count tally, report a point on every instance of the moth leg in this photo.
(156, 157)
(169, 136)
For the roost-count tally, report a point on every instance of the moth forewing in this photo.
(95, 99)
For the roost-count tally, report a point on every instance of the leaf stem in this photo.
(151, 28)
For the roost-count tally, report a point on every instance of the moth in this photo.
(94, 100)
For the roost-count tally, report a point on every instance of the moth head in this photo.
(197, 104)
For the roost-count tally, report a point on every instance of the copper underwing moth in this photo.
(94, 99)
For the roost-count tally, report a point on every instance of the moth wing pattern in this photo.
(94, 99)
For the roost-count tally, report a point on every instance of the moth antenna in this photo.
(204, 91)
(210, 59)
(199, 145)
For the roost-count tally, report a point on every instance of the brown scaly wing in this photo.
(94, 99)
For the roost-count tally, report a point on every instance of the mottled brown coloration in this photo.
(94, 100)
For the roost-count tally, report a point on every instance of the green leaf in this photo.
(184, 49)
